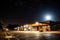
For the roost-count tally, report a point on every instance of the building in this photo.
(41, 26)
(38, 26)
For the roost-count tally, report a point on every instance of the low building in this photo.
(41, 26)
(38, 26)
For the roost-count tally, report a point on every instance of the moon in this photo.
(48, 17)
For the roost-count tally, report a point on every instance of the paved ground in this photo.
(34, 35)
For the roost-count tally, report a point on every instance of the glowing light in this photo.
(29, 27)
(25, 29)
(36, 22)
(48, 17)
(48, 35)
(26, 26)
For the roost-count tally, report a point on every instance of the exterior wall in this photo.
(35, 27)
(44, 28)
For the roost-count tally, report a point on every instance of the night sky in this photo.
(28, 11)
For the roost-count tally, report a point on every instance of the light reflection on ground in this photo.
(35, 36)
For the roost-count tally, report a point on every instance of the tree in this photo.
(11, 27)
(1, 26)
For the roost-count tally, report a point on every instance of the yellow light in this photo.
(7, 29)
(36, 22)
(25, 29)
(29, 28)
